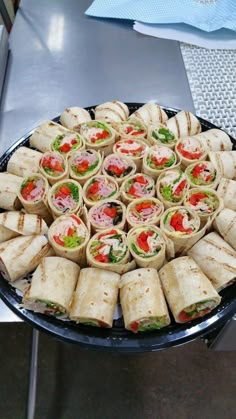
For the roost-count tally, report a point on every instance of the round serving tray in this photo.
(118, 339)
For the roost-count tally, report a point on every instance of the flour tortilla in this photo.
(224, 162)
(227, 191)
(24, 161)
(150, 113)
(21, 255)
(141, 297)
(54, 281)
(185, 284)
(45, 134)
(72, 118)
(95, 296)
(216, 258)
(225, 224)
(9, 185)
(184, 124)
(15, 223)
(111, 112)
(215, 140)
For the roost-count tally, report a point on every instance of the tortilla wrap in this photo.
(225, 224)
(184, 124)
(144, 211)
(24, 161)
(227, 191)
(54, 167)
(111, 112)
(72, 118)
(224, 162)
(9, 185)
(77, 165)
(107, 214)
(14, 223)
(202, 173)
(171, 187)
(215, 140)
(150, 113)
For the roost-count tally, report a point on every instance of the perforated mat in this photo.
(212, 79)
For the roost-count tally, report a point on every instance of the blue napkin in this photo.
(208, 15)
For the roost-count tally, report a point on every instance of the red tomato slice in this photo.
(109, 233)
(94, 188)
(188, 154)
(143, 205)
(141, 179)
(177, 222)
(116, 170)
(27, 189)
(58, 241)
(70, 232)
(140, 132)
(75, 218)
(65, 148)
(134, 327)
(159, 162)
(102, 258)
(132, 191)
(65, 190)
(128, 130)
(181, 186)
(110, 212)
(199, 168)
(57, 166)
(196, 197)
(74, 141)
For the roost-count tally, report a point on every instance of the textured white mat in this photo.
(212, 79)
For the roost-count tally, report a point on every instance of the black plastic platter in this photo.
(118, 339)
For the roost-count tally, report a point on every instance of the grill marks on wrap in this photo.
(112, 111)
(43, 252)
(121, 107)
(223, 264)
(213, 244)
(188, 119)
(20, 224)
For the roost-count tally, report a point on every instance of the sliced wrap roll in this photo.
(188, 291)
(21, 255)
(182, 226)
(202, 173)
(111, 112)
(66, 144)
(109, 250)
(216, 258)
(98, 189)
(144, 211)
(133, 149)
(15, 223)
(24, 161)
(65, 197)
(32, 193)
(150, 113)
(147, 245)
(224, 162)
(133, 128)
(45, 134)
(142, 300)
(9, 185)
(98, 136)
(227, 191)
(84, 164)
(215, 140)
(205, 202)
(137, 186)
(72, 118)
(158, 159)
(189, 150)
(159, 134)
(69, 236)
(52, 286)
(53, 167)
(107, 214)
(183, 124)
(225, 224)
(118, 167)
(172, 187)
(95, 297)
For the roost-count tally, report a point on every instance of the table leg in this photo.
(32, 390)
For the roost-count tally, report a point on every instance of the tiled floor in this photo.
(187, 382)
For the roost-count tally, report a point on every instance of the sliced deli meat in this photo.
(118, 167)
(134, 149)
(98, 189)
(137, 186)
(206, 202)
(107, 214)
(144, 211)
(190, 149)
(159, 159)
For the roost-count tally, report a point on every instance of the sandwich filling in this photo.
(33, 188)
(173, 185)
(138, 186)
(69, 232)
(106, 214)
(65, 143)
(108, 247)
(65, 197)
(84, 162)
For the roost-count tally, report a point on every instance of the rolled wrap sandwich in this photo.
(159, 134)
(69, 236)
(24, 161)
(225, 224)
(107, 214)
(21, 255)
(224, 162)
(118, 167)
(137, 186)
(144, 211)
(15, 223)
(147, 245)
(9, 185)
(142, 300)
(188, 291)
(159, 159)
(150, 113)
(98, 136)
(215, 140)
(98, 189)
(32, 193)
(109, 250)
(227, 191)
(183, 124)
(84, 164)
(183, 227)
(95, 297)
(65, 197)
(202, 173)
(205, 202)
(72, 118)
(53, 167)
(65, 144)
(134, 149)
(111, 112)
(216, 258)
(132, 128)
(45, 134)
(52, 287)
(172, 187)
(189, 150)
